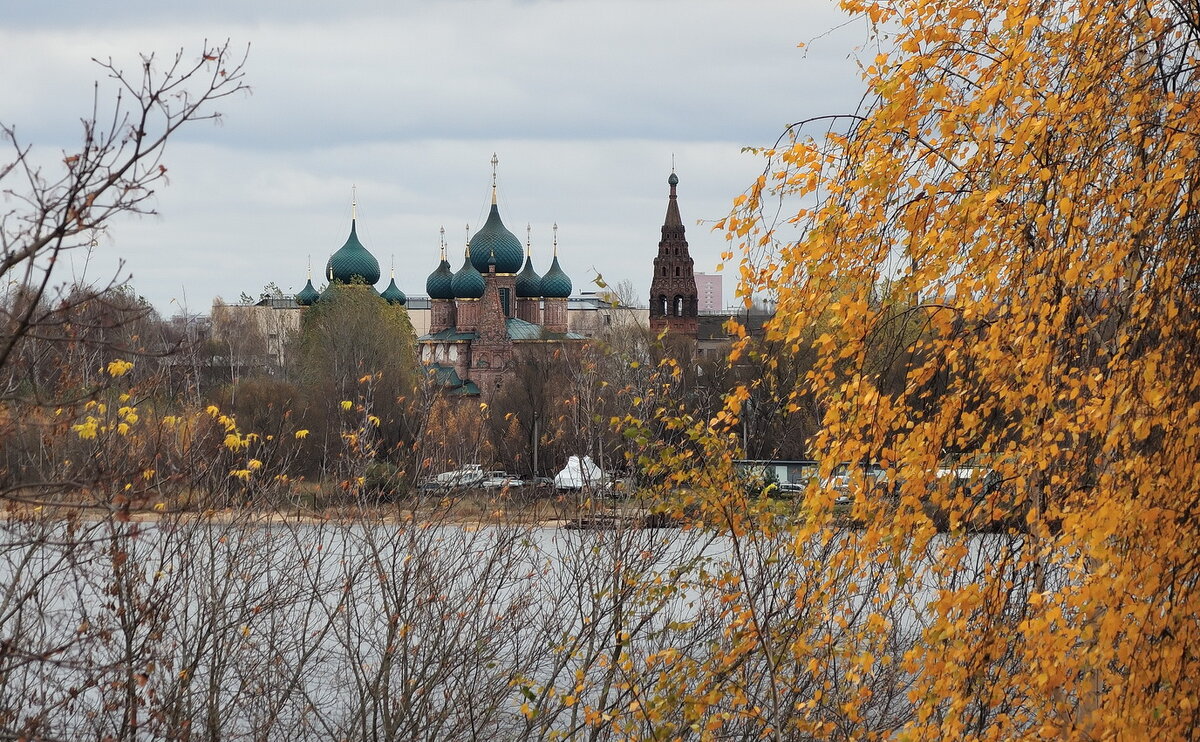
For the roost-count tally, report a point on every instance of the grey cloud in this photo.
(584, 101)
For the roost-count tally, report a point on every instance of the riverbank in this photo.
(466, 510)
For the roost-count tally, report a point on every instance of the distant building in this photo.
(713, 338)
(260, 330)
(710, 293)
(599, 315)
(474, 323)
(481, 316)
(673, 287)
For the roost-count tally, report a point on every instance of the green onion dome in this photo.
(352, 261)
(439, 285)
(556, 284)
(393, 295)
(494, 238)
(468, 282)
(673, 179)
(308, 295)
(529, 283)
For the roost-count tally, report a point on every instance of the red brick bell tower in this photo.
(673, 294)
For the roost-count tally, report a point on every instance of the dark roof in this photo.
(353, 260)
(673, 219)
(519, 329)
(439, 285)
(712, 326)
(307, 295)
(468, 389)
(529, 283)
(448, 379)
(444, 375)
(468, 282)
(280, 302)
(450, 334)
(392, 294)
(556, 284)
(494, 239)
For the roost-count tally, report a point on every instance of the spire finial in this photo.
(495, 162)
(556, 239)
(393, 266)
(468, 235)
(353, 202)
(310, 266)
(672, 162)
(443, 241)
(528, 240)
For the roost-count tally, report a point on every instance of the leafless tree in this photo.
(113, 172)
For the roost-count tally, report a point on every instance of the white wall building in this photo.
(710, 292)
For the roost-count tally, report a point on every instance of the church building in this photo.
(673, 294)
(483, 315)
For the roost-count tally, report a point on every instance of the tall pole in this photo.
(536, 436)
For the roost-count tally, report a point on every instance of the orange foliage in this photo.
(1021, 187)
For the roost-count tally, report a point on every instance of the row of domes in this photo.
(493, 245)
(468, 282)
(309, 294)
(352, 262)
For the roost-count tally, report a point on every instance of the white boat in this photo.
(580, 473)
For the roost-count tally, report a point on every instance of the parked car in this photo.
(494, 480)
(429, 485)
(875, 481)
(471, 475)
(839, 482)
(976, 481)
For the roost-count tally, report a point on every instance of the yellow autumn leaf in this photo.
(119, 367)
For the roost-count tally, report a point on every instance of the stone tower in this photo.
(673, 295)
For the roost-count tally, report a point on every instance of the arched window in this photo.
(678, 306)
(664, 271)
(677, 271)
(662, 306)
(505, 302)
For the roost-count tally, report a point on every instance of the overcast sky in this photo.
(584, 102)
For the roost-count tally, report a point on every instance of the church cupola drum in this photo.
(673, 294)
